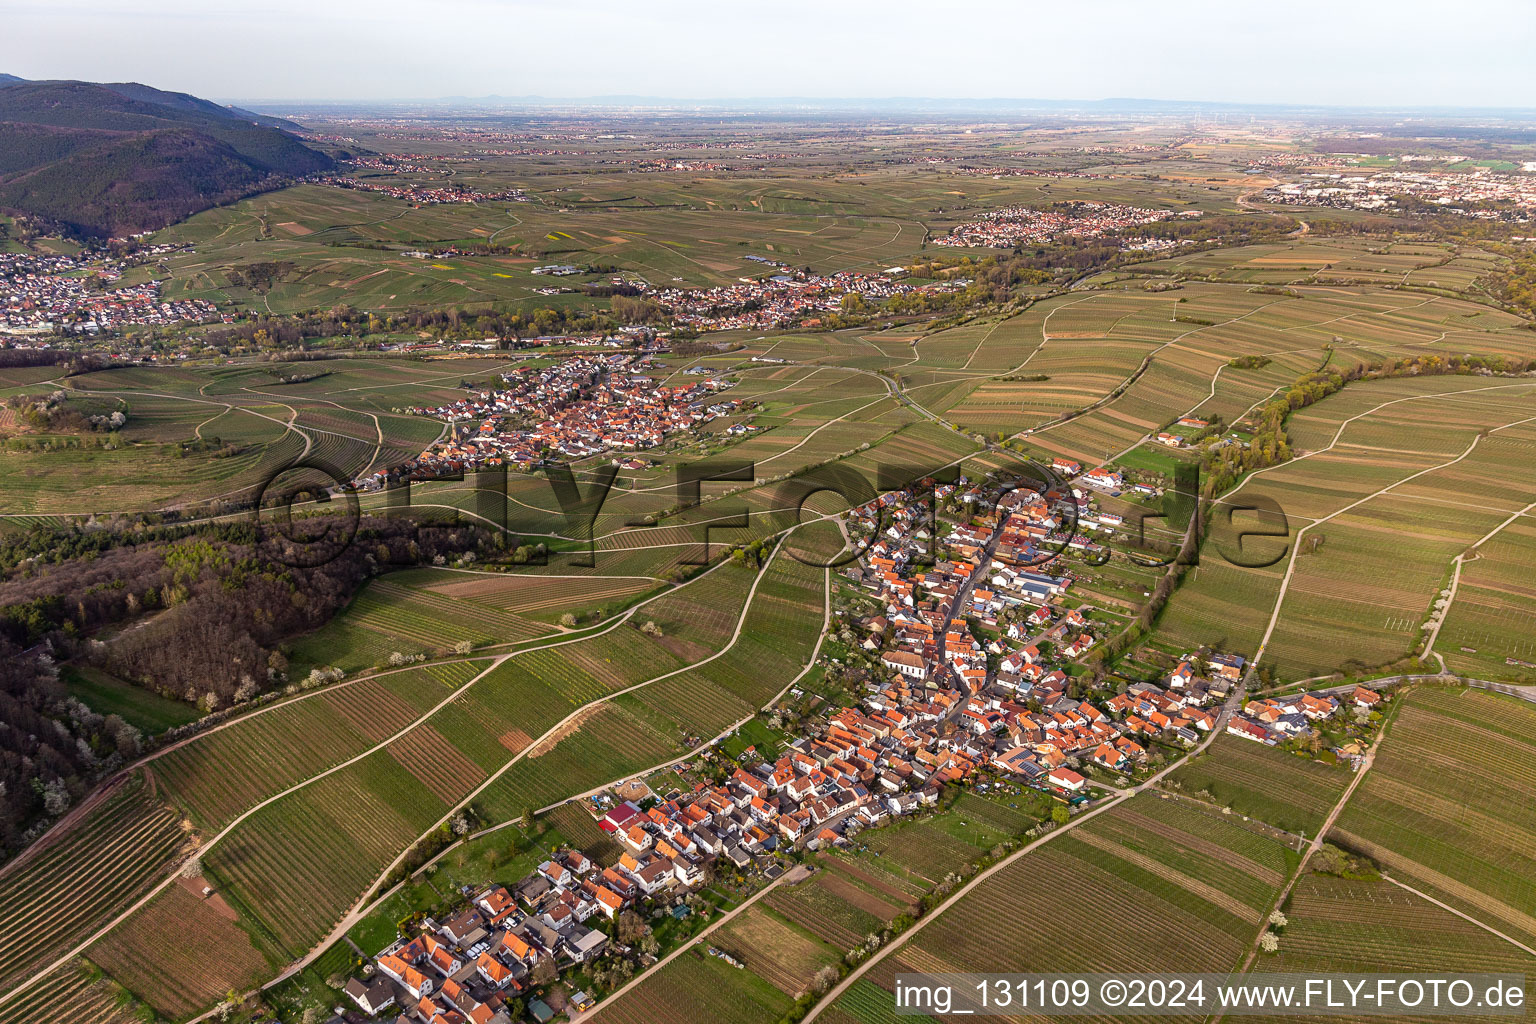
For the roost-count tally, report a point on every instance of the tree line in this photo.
(199, 614)
(1224, 465)
(212, 607)
(269, 332)
(51, 745)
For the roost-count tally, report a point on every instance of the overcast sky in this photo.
(1345, 52)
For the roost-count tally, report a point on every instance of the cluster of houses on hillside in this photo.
(994, 698)
(423, 194)
(1101, 478)
(791, 296)
(1037, 745)
(575, 407)
(1273, 720)
(986, 570)
(466, 968)
(954, 702)
(1013, 226)
(856, 769)
(864, 767)
(80, 293)
(1479, 193)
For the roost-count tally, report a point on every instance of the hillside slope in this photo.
(186, 101)
(119, 159)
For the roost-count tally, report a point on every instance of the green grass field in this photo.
(107, 695)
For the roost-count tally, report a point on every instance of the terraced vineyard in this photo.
(609, 744)
(294, 867)
(536, 596)
(1389, 481)
(436, 763)
(424, 688)
(833, 907)
(1382, 458)
(293, 741)
(371, 708)
(1493, 619)
(182, 952)
(696, 986)
(530, 693)
(1340, 925)
(580, 829)
(703, 614)
(76, 992)
(283, 746)
(926, 851)
(777, 636)
(894, 884)
(1411, 814)
(387, 617)
(699, 701)
(863, 1003)
(647, 726)
(1283, 789)
(776, 950)
(1200, 885)
(123, 845)
(431, 618)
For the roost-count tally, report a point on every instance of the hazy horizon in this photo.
(1404, 55)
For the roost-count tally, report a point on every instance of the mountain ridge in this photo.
(123, 158)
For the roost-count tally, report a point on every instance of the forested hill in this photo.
(119, 159)
(186, 101)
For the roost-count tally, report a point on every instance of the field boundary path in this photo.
(379, 900)
(1312, 848)
(112, 782)
(105, 787)
(1457, 563)
(1464, 916)
(1290, 567)
(1317, 844)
